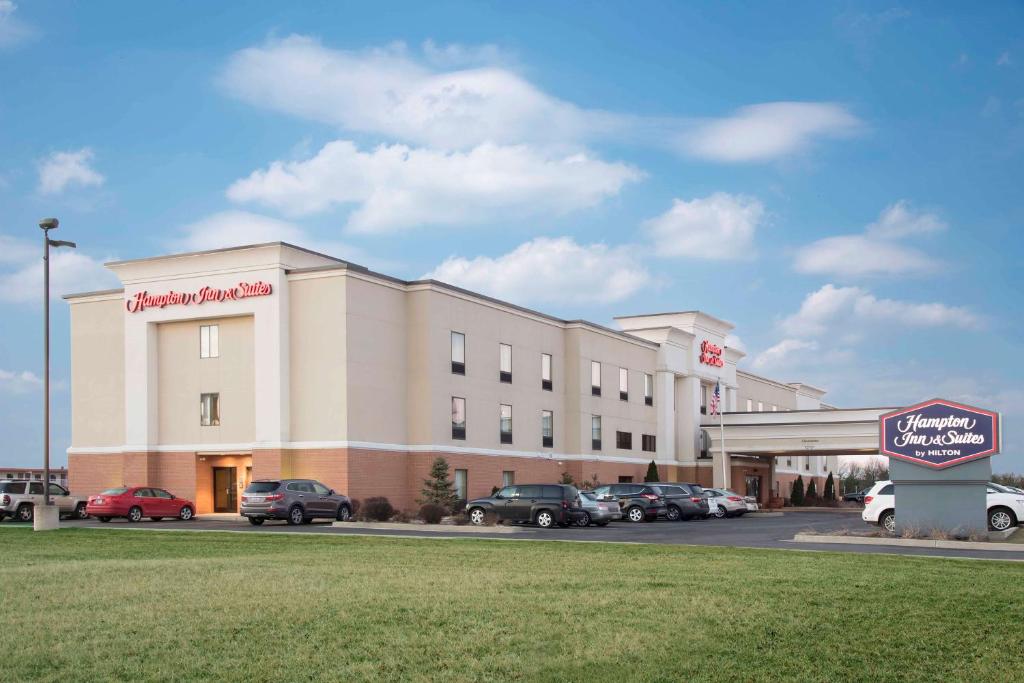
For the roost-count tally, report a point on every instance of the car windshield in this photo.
(262, 486)
(588, 495)
(998, 487)
(12, 487)
(113, 492)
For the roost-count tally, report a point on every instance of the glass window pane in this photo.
(505, 357)
(595, 427)
(547, 423)
(458, 412)
(506, 419)
(648, 385)
(545, 366)
(204, 341)
(595, 374)
(508, 477)
(461, 483)
(623, 380)
(458, 347)
(214, 341)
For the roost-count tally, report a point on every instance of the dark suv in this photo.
(639, 502)
(542, 504)
(299, 501)
(684, 501)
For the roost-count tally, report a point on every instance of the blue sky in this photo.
(840, 180)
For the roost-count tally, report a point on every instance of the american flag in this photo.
(715, 397)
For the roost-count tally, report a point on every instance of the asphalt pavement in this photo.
(743, 532)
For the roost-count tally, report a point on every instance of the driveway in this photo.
(743, 532)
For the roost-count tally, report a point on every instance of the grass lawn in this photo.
(91, 605)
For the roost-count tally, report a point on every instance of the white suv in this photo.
(1005, 508)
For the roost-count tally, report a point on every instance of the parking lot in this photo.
(749, 531)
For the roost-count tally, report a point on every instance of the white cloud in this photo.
(832, 308)
(875, 252)
(765, 132)
(13, 31)
(459, 97)
(70, 272)
(396, 187)
(550, 270)
(733, 341)
(1004, 59)
(387, 92)
(783, 352)
(238, 228)
(14, 382)
(63, 169)
(719, 226)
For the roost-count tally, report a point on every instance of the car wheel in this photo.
(477, 516)
(25, 512)
(887, 520)
(344, 513)
(720, 512)
(295, 516)
(103, 519)
(635, 514)
(80, 512)
(584, 519)
(1001, 519)
(135, 514)
(545, 519)
(157, 519)
(255, 521)
(673, 514)
(186, 514)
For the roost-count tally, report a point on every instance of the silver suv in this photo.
(18, 499)
(299, 501)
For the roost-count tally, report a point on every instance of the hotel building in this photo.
(209, 369)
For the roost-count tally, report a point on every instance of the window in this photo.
(160, 493)
(209, 341)
(625, 480)
(209, 410)
(458, 418)
(647, 443)
(508, 477)
(547, 428)
(505, 363)
(789, 462)
(750, 405)
(458, 353)
(623, 384)
(461, 483)
(705, 444)
(506, 423)
(760, 406)
(624, 440)
(56, 490)
(508, 492)
(807, 463)
(545, 371)
(595, 432)
(775, 409)
(595, 378)
(703, 399)
(648, 389)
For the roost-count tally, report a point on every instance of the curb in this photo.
(428, 528)
(909, 543)
(773, 513)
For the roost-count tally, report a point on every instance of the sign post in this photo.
(939, 462)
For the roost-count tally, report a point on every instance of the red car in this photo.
(136, 502)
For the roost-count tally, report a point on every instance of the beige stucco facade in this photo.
(331, 371)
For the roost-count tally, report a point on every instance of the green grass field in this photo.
(90, 605)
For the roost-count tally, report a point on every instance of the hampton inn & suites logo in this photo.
(244, 290)
(939, 433)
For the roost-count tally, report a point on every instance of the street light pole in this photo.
(47, 224)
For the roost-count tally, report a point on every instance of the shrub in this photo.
(796, 496)
(354, 505)
(438, 488)
(830, 489)
(811, 497)
(567, 479)
(459, 507)
(377, 509)
(432, 513)
(652, 472)
(402, 516)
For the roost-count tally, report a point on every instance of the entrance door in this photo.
(754, 486)
(225, 489)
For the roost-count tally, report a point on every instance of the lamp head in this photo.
(49, 223)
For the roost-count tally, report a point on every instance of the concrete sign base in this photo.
(952, 500)
(46, 518)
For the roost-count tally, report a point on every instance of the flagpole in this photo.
(721, 426)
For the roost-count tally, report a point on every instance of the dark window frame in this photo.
(624, 438)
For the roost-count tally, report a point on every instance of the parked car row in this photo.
(19, 498)
(548, 505)
(1005, 506)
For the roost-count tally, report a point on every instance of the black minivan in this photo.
(684, 501)
(639, 502)
(542, 504)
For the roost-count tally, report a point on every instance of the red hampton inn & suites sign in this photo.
(143, 300)
(711, 354)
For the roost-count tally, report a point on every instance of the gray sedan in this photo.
(597, 509)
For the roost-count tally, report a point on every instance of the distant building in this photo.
(57, 475)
